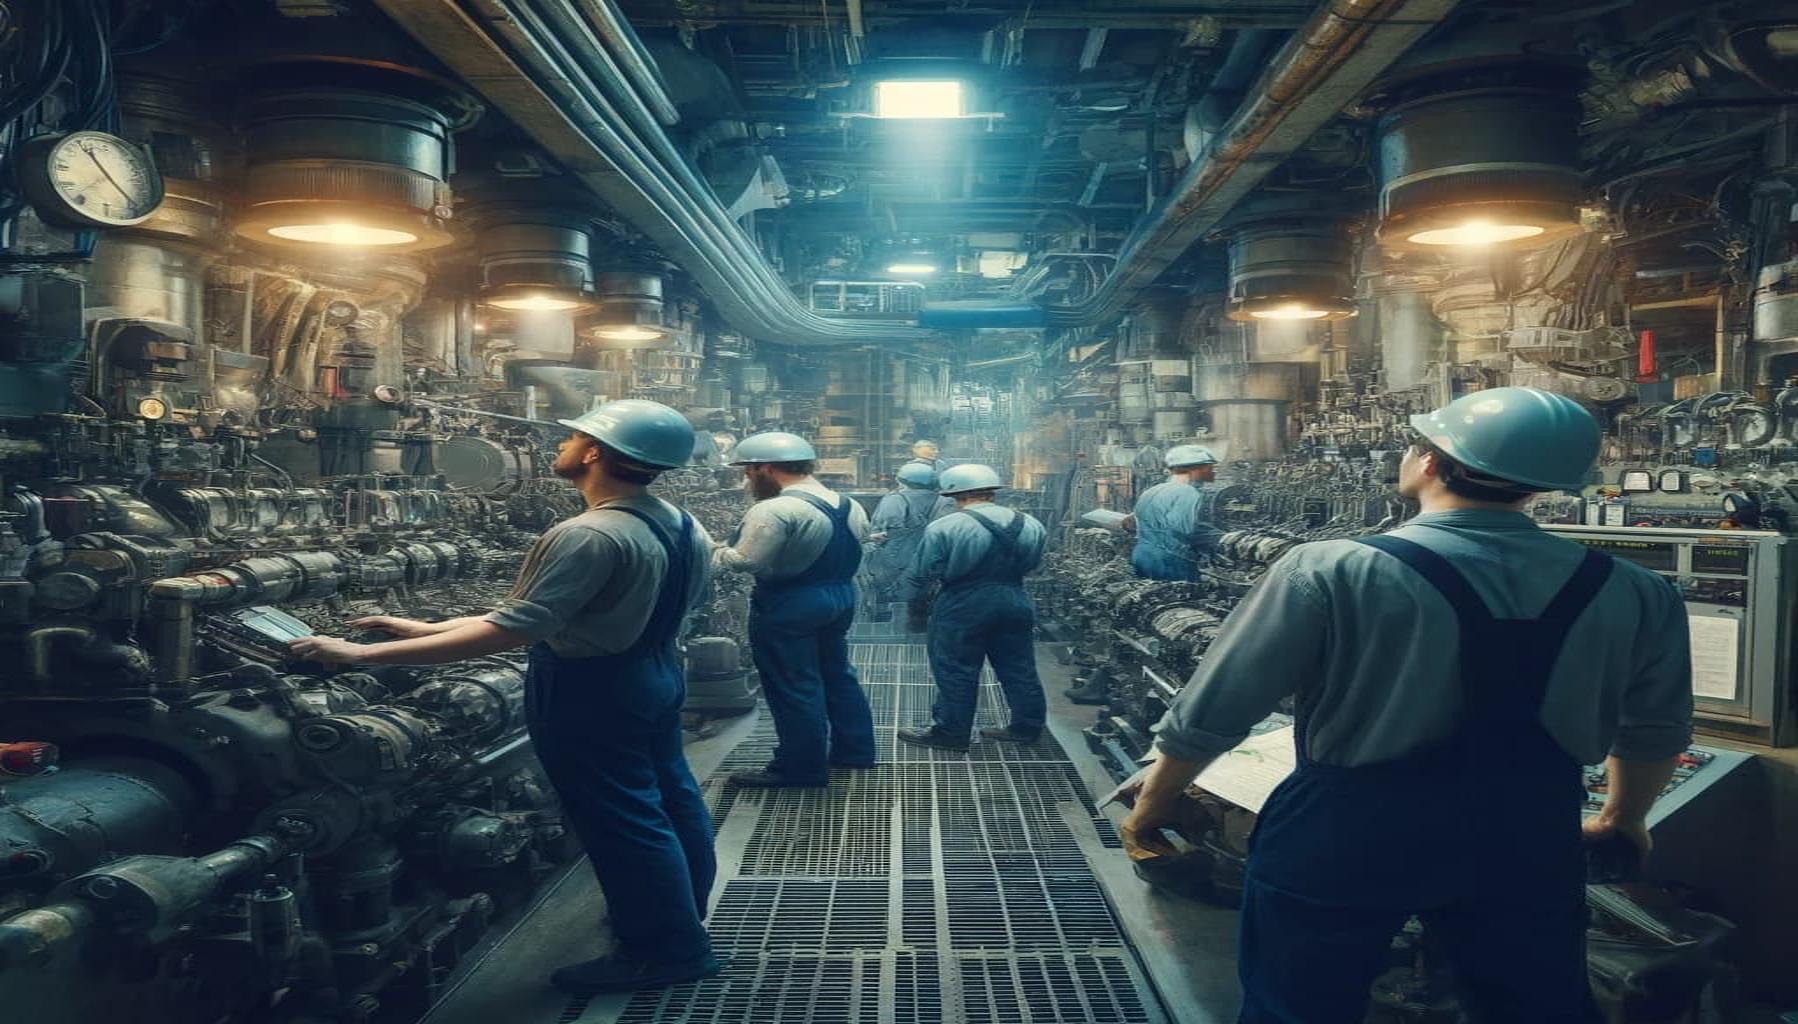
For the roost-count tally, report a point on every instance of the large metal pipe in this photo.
(1325, 65)
(621, 39)
(566, 91)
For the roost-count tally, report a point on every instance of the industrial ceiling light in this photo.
(630, 307)
(1483, 158)
(344, 168)
(1290, 259)
(534, 257)
(911, 268)
(918, 99)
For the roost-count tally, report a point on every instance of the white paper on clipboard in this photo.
(1105, 517)
(1247, 775)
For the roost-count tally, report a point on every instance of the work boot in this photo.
(622, 972)
(773, 780)
(933, 737)
(1014, 734)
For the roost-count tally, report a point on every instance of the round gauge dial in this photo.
(90, 179)
(152, 408)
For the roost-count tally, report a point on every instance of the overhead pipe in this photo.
(627, 48)
(541, 63)
(1339, 52)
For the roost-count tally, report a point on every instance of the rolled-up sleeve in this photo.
(1272, 643)
(563, 572)
(763, 534)
(1656, 718)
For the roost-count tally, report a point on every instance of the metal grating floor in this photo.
(935, 888)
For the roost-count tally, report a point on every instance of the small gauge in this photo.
(89, 179)
(152, 408)
(1673, 481)
(387, 394)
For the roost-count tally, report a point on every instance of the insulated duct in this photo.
(1325, 65)
(557, 68)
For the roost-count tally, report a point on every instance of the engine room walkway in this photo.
(935, 887)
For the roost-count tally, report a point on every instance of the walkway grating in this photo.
(935, 888)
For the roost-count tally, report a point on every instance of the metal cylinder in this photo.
(1291, 270)
(535, 257)
(319, 158)
(61, 824)
(1489, 159)
(1247, 404)
(1408, 337)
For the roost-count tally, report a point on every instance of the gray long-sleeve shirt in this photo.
(782, 536)
(955, 545)
(590, 583)
(1373, 647)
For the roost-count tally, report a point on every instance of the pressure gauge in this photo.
(89, 180)
(152, 408)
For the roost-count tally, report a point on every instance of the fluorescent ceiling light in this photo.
(341, 233)
(1477, 233)
(917, 99)
(535, 302)
(911, 268)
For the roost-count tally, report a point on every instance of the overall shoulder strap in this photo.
(1437, 571)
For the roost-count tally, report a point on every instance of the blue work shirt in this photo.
(1174, 524)
(955, 545)
(909, 508)
(1372, 648)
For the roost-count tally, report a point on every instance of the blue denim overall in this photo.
(986, 616)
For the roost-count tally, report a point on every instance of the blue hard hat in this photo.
(648, 432)
(1523, 435)
(969, 477)
(917, 474)
(1189, 455)
(772, 446)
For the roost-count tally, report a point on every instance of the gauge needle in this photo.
(108, 174)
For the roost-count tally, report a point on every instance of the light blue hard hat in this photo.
(1524, 435)
(917, 474)
(1189, 455)
(648, 432)
(772, 446)
(970, 477)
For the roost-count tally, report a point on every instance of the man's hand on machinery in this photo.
(328, 649)
(1603, 828)
(1141, 830)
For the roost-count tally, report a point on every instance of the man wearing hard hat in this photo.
(1451, 679)
(803, 543)
(1172, 520)
(601, 600)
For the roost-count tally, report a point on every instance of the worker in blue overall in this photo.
(601, 599)
(803, 543)
(899, 522)
(1173, 519)
(1451, 677)
(980, 556)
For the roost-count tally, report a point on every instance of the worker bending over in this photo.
(601, 599)
(803, 543)
(1172, 520)
(899, 522)
(980, 554)
(1451, 678)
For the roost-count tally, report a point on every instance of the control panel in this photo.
(1739, 588)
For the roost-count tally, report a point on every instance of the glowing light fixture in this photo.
(341, 233)
(1289, 313)
(911, 268)
(535, 303)
(1476, 234)
(917, 100)
(630, 332)
(1481, 157)
(344, 167)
